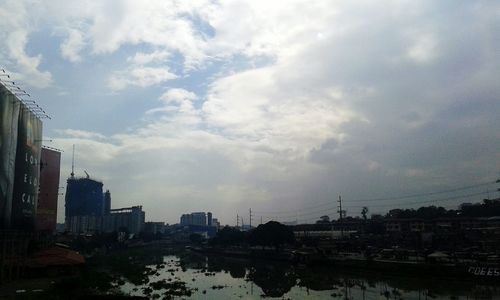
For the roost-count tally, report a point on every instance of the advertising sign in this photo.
(9, 114)
(27, 170)
(46, 215)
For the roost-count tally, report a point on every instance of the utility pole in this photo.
(237, 221)
(260, 220)
(340, 218)
(498, 189)
(250, 217)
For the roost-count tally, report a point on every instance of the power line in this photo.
(375, 199)
(426, 201)
(335, 209)
(292, 211)
(424, 194)
(304, 214)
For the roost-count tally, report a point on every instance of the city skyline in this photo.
(223, 106)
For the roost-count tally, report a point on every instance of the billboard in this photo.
(9, 114)
(46, 214)
(27, 170)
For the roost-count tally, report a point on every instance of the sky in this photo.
(274, 106)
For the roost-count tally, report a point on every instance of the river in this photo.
(186, 275)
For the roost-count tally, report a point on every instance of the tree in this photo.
(195, 238)
(271, 234)
(364, 212)
(323, 220)
(228, 236)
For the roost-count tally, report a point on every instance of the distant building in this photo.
(201, 223)
(130, 219)
(195, 218)
(48, 191)
(84, 197)
(154, 227)
(88, 209)
(396, 225)
(209, 218)
(107, 202)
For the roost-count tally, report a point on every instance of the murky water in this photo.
(194, 276)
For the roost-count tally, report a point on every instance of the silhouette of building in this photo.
(154, 227)
(107, 202)
(195, 218)
(46, 214)
(200, 222)
(129, 219)
(215, 223)
(84, 197)
(209, 218)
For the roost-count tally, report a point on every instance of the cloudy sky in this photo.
(278, 106)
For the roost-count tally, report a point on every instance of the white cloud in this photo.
(80, 134)
(141, 58)
(140, 76)
(161, 23)
(298, 103)
(178, 104)
(14, 30)
(177, 95)
(28, 65)
(71, 47)
(423, 49)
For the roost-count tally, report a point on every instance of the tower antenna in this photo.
(73, 163)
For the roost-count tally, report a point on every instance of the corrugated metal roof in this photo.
(56, 256)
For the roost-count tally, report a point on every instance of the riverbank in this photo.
(168, 273)
(473, 270)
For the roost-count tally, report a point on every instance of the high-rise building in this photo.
(107, 202)
(198, 218)
(195, 218)
(129, 219)
(84, 197)
(46, 214)
(209, 218)
(215, 223)
(200, 222)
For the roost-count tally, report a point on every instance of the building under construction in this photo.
(84, 197)
(88, 209)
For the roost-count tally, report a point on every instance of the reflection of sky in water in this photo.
(275, 280)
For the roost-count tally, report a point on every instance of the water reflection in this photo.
(227, 278)
(274, 280)
(277, 279)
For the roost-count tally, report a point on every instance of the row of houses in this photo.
(397, 225)
(441, 224)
